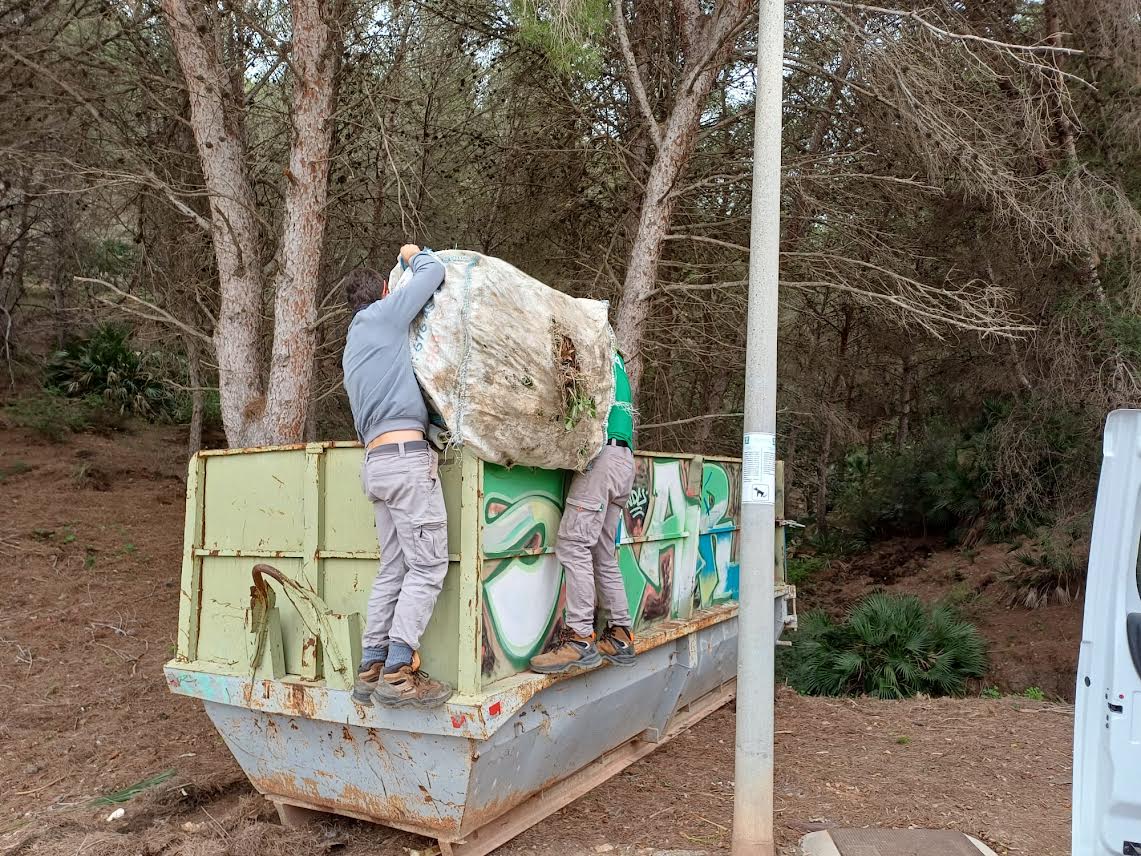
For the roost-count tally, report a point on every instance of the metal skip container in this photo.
(279, 556)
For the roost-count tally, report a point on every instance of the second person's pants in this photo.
(586, 546)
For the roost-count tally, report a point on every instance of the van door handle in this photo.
(1133, 634)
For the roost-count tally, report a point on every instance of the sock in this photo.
(399, 655)
(375, 654)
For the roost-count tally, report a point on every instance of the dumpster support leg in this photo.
(546, 802)
(295, 815)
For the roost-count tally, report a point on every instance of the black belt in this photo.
(395, 448)
(616, 442)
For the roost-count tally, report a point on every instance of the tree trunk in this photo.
(904, 401)
(714, 403)
(822, 478)
(13, 281)
(709, 42)
(314, 63)
(255, 412)
(1065, 130)
(61, 276)
(802, 213)
(197, 399)
(840, 376)
(218, 126)
(679, 139)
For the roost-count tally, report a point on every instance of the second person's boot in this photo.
(568, 652)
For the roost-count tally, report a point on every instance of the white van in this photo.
(1107, 725)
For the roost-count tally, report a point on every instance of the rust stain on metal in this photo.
(394, 809)
(474, 818)
(297, 701)
(346, 734)
(374, 738)
(287, 785)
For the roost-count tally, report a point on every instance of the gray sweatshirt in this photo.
(383, 392)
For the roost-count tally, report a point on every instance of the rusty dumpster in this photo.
(273, 655)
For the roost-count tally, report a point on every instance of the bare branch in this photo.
(635, 76)
(155, 313)
(701, 418)
(939, 31)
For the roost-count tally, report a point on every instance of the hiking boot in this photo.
(408, 686)
(366, 682)
(617, 646)
(569, 652)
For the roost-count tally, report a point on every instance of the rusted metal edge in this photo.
(312, 448)
(329, 808)
(477, 715)
(353, 444)
(231, 553)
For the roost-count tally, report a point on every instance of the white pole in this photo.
(753, 777)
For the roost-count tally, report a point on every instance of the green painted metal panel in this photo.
(349, 525)
(254, 501)
(303, 510)
(347, 584)
(438, 649)
(225, 601)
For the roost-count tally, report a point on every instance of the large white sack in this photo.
(521, 373)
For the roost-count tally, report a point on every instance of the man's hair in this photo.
(363, 287)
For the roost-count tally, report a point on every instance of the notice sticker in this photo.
(759, 468)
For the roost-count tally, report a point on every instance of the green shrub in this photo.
(49, 417)
(1034, 694)
(108, 259)
(930, 485)
(832, 543)
(1010, 470)
(16, 468)
(1055, 570)
(800, 568)
(889, 646)
(1042, 456)
(182, 407)
(105, 365)
(54, 417)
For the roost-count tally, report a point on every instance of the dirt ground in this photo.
(89, 552)
(1028, 647)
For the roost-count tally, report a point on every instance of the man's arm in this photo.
(427, 275)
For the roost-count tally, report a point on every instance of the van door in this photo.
(1107, 723)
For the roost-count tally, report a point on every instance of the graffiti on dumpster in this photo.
(718, 568)
(522, 581)
(678, 551)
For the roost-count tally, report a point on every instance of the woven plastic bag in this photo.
(521, 373)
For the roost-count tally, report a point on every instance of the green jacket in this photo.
(620, 420)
